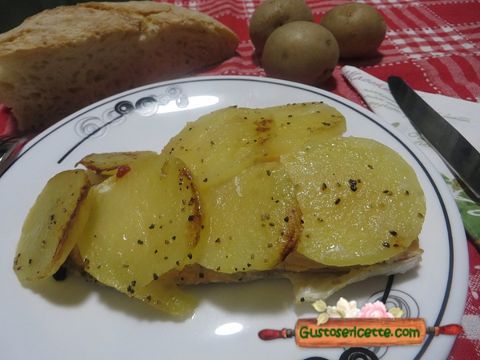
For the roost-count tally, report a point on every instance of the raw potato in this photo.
(271, 14)
(251, 222)
(209, 144)
(301, 51)
(365, 211)
(358, 28)
(141, 225)
(45, 242)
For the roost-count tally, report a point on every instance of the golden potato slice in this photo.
(221, 144)
(141, 224)
(108, 163)
(361, 202)
(250, 222)
(165, 296)
(217, 146)
(45, 242)
(297, 124)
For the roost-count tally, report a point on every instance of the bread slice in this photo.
(65, 58)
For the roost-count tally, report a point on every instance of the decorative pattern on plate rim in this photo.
(95, 127)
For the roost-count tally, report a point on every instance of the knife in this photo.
(461, 157)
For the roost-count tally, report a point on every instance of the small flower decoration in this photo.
(375, 310)
(349, 309)
(396, 312)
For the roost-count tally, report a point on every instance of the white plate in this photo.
(78, 320)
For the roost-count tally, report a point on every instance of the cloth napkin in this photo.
(461, 114)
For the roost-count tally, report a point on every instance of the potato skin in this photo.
(301, 51)
(271, 14)
(358, 28)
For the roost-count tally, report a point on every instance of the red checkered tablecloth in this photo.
(434, 45)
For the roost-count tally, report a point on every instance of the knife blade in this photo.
(460, 156)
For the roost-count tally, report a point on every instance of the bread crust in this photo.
(63, 59)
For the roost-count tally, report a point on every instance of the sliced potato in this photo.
(108, 163)
(217, 146)
(45, 242)
(142, 224)
(361, 202)
(221, 144)
(297, 124)
(165, 296)
(250, 223)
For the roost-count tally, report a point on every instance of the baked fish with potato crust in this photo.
(238, 195)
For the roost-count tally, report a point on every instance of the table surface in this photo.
(434, 45)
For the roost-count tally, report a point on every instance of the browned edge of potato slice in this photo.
(45, 243)
(108, 163)
(142, 224)
(251, 222)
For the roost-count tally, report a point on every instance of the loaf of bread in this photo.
(63, 59)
